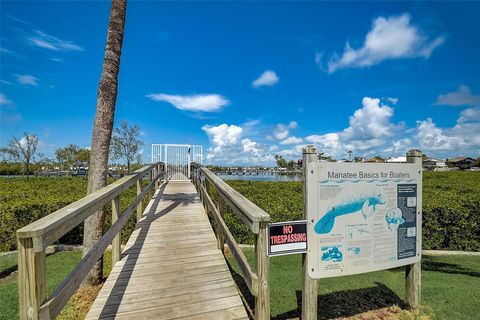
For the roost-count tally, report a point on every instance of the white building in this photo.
(434, 164)
(397, 159)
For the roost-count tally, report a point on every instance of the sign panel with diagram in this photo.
(362, 217)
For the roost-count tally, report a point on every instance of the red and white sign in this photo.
(287, 238)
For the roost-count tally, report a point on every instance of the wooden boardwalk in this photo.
(171, 267)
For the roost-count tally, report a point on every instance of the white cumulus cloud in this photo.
(27, 79)
(223, 135)
(292, 140)
(196, 102)
(392, 37)
(462, 97)
(370, 127)
(228, 148)
(281, 131)
(267, 78)
(370, 122)
(46, 41)
(4, 100)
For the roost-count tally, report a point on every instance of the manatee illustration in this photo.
(365, 203)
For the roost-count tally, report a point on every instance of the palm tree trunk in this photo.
(102, 130)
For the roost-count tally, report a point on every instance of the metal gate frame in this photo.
(177, 159)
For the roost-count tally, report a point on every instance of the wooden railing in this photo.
(34, 239)
(255, 218)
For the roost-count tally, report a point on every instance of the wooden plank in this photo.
(246, 270)
(146, 274)
(234, 313)
(184, 310)
(180, 289)
(170, 285)
(116, 244)
(205, 261)
(158, 246)
(120, 307)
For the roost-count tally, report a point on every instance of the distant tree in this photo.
(72, 156)
(82, 158)
(291, 165)
(324, 156)
(102, 130)
(281, 162)
(22, 150)
(126, 144)
(350, 155)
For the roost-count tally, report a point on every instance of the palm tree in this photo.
(102, 129)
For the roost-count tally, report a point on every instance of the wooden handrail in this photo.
(255, 218)
(50, 228)
(33, 239)
(246, 210)
(250, 277)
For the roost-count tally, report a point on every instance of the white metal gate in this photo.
(177, 159)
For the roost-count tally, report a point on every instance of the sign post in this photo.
(413, 275)
(309, 290)
(362, 217)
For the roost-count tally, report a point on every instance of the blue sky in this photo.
(251, 80)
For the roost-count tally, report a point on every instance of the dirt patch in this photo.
(80, 303)
(389, 313)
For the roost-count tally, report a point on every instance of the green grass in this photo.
(59, 265)
(8, 263)
(450, 288)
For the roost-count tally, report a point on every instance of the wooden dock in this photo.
(171, 267)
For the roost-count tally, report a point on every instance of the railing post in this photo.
(309, 290)
(116, 249)
(32, 286)
(157, 173)
(139, 207)
(413, 272)
(262, 301)
(221, 210)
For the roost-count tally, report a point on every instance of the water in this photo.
(262, 177)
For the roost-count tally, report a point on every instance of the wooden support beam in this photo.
(139, 207)
(262, 300)
(221, 211)
(116, 242)
(309, 289)
(32, 286)
(413, 272)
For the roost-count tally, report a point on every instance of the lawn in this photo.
(450, 290)
(59, 266)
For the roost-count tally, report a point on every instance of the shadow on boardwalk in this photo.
(110, 308)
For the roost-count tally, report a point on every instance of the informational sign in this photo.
(362, 217)
(287, 238)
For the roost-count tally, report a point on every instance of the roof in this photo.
(457, 159)
(397, 159)
(433, 160)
